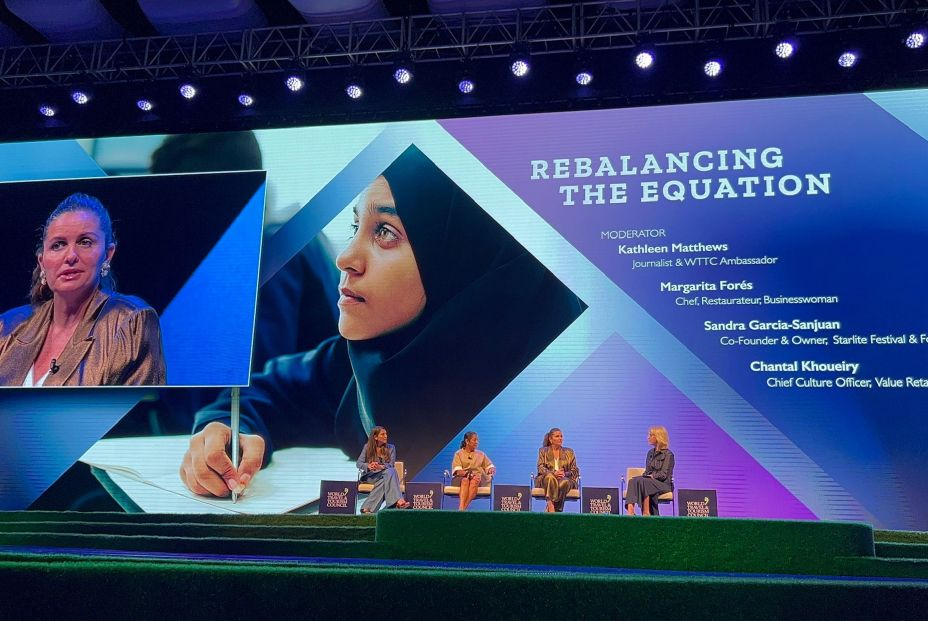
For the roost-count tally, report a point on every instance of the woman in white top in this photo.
(471, 469)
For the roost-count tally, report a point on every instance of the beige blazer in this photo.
(118, 343)
(567, 462)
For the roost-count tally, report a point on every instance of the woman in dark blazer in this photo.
(657, 478)
(557, 470)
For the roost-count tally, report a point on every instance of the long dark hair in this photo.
(547, 441)
(372, 452)
(467, 436)
(39, 292)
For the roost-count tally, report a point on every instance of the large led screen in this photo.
(745, 274)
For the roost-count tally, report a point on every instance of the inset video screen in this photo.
(130, 280)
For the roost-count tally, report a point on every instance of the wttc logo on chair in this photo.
(424, 495)
(600, 500)
(601, 505)
(424, 501)
(337, 499)
(698, 502)
(338, 496)
(511, 503)
(511, 497)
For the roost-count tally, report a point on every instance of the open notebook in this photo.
(147, 471)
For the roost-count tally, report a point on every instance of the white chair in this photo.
(367, 488)
(455, 490)
(666, 497)
(539, 492)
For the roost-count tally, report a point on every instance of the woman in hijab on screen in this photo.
(440, 309)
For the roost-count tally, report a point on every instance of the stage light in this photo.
(246, 100)
(915, 39)
(402, 73)
(354, 90)
(144, 104)
(847, 60)
(584, 77)
(188, 90)
(47, 110)
(295, 83)
(80, 96)
(644, 59)
(519, 65)
(712, 68)
(784, 49)
(466, 85)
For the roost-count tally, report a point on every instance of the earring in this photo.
(42, 278)
(105, 269)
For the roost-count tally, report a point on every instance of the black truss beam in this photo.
(457, 37)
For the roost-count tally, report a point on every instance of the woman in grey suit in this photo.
(657, 478)
(557, 470)
(377, 461)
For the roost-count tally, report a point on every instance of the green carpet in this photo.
(757, 569)
(97, 590)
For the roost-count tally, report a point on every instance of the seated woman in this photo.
(78, 331)
(557, 470)
(471, 469)
(377, 461)
(657, 478)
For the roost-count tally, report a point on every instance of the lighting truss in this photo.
(555, 29)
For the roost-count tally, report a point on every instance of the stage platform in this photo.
(455, 565)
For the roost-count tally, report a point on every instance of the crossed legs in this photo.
(468, 492)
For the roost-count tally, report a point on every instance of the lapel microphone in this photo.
(54, 366)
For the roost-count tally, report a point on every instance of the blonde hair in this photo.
(660, 433)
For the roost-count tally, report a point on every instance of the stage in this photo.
(450, 564)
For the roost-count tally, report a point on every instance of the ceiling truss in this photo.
(456, 37)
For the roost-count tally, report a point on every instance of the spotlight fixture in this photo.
(712, 68)
(47, 110)
(246, 99)
(916, 39)
(354, 90)
(402, 73)
(644, 59)
(847, 59)
(81, 95)
(583, 69)
(466, 84)
(519, 65)
(784, 48)
(584, 77)
(295, 82)
(188, 89)
(145, 104)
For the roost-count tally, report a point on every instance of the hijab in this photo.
(490, 309)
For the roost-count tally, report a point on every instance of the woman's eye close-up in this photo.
(386, 234)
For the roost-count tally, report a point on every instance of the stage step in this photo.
(187, 529)
(902, 550)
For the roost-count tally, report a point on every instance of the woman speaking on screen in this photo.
(78, 331)
(439, 309)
